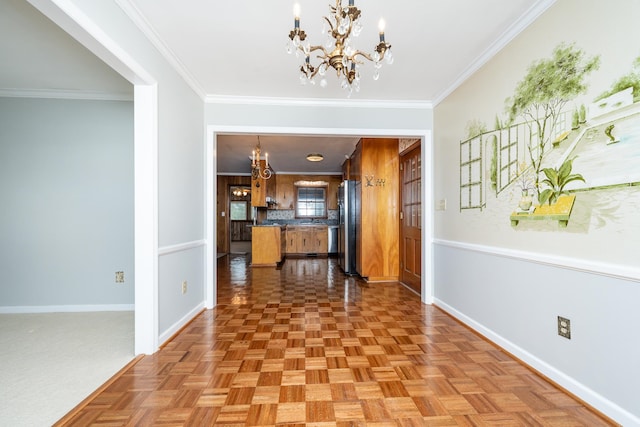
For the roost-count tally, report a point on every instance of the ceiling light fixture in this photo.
(337, 51)
(241, 192)
(315, 157)
(258, 168)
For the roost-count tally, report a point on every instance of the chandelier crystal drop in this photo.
(337, 51)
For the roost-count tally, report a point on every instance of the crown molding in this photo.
(65, 94)
(533, 13)
(147, 29)
(318, 102)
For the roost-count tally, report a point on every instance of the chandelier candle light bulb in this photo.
(296, 15)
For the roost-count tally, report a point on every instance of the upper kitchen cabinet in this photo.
(374, 166)
(285, 196)
(287, 185)
(261, 188)
(332, 195)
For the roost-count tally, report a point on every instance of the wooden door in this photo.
(411, 219)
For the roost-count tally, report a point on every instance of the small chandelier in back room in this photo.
(259, 168)
(337, 51)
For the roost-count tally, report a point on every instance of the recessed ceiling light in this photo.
(314, 157)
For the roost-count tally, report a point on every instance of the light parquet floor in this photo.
(307, 345)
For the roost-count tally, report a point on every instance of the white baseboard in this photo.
(166, 335)
(594, 399)
(65, 308)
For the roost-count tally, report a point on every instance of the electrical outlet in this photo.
(564, 327)
(119, 276)
(441, 205)
(184, 286)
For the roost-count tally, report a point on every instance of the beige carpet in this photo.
(50, 362)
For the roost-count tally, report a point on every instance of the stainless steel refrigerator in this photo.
(347, 227)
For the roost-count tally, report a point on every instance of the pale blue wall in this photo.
(66, 191)
(180, 165)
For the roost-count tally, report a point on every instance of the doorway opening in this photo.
(241, 216)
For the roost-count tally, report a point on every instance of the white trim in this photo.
(534, 12)
(147, 29)
(427, 277)
(166, 335)
(305, 131)
(234, 174)
(310, 173)
(317, 102)
(586, 266)
(65, 94)
(577, 388)
(76, 23)
(426, 138)
(211, 216)
(24, 309)
(146, 218)
(166, 250)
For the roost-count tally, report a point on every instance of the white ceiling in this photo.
(237, 49)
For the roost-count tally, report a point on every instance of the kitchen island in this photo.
(267, 245)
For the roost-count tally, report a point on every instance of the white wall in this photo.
(334, 115)
(66, 185)
(510, 282)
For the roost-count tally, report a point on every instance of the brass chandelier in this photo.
(337, 51)
(259, 170)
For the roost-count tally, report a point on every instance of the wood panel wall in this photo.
(223, 244)
(378, 237)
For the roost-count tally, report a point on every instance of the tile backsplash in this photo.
(289, 217)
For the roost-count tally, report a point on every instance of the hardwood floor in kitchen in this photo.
(306, 345)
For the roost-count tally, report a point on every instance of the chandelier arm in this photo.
(328, 22)
(313, 49)
(363, 54)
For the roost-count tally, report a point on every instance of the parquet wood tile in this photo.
(305, 345)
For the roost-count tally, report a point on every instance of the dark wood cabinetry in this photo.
(305, 239)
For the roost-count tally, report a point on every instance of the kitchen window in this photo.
(311, 202)
(239, 211)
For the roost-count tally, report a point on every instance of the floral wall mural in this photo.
(549, 149)
(545, 139)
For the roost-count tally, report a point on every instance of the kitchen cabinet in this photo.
(285, 196)
(259, 189)
(267, 245)
(292, 240)
(374, 166)
(332, 193)
(320, 239)
(307, 239)
(285, 190)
